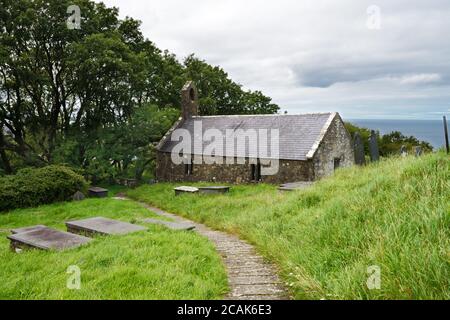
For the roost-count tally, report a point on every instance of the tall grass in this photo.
(394, 214)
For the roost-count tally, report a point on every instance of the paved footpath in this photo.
(249, 276)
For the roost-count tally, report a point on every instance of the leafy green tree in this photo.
(67, 95)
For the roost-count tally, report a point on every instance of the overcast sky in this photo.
(316, 55)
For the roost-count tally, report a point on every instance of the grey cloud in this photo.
(314, 55)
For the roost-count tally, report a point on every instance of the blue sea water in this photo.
(431, 131)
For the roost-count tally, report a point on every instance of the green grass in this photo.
(395, 215)
(153, 264)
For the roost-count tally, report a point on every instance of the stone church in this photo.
(309, 147)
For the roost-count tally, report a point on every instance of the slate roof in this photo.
(299, 135)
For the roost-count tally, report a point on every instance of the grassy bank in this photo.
(394, 215)
(153, 264)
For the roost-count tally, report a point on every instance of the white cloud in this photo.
(421, 78)
(315, 55)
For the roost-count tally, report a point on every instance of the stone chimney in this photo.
(189, 100)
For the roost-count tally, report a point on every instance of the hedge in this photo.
(31, 187)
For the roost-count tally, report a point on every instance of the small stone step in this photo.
(171, 225)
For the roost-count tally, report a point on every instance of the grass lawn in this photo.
(153, 264)
(394, 215)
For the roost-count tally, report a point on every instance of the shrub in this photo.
(31, 187)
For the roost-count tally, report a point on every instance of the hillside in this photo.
(394, 215)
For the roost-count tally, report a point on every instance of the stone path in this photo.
(170, 224)
(249, 276)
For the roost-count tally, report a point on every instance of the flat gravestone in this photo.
(214, 189)
(358, 146)
(184, 189)
(103, 226)
(97, 192)
(292, 186)
(373, 147)
(28, 229)
(170, 225)
(46, 239)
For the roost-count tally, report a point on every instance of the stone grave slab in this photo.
(184, 189)
(28, 229)
(98, 192)
(214, 189)
(46, 239)
(102, 226)
(170, 225)
(292, 186)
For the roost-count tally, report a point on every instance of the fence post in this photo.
(446, 135)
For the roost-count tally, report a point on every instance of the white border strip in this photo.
(324, 130)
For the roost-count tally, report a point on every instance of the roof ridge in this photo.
(264, 115)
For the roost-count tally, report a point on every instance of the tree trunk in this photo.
(3, 155)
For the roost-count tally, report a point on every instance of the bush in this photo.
(31, 187)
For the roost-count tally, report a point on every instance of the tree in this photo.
(65, 93)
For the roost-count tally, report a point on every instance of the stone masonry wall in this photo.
(336, 144)
(289, 171)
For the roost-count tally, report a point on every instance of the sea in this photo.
(431, 131)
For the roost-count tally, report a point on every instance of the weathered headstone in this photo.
(45, 238)
(78, 196)
(358, 146)
(418, 151)
(373, 147)
(103, 226)
(403, 151)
